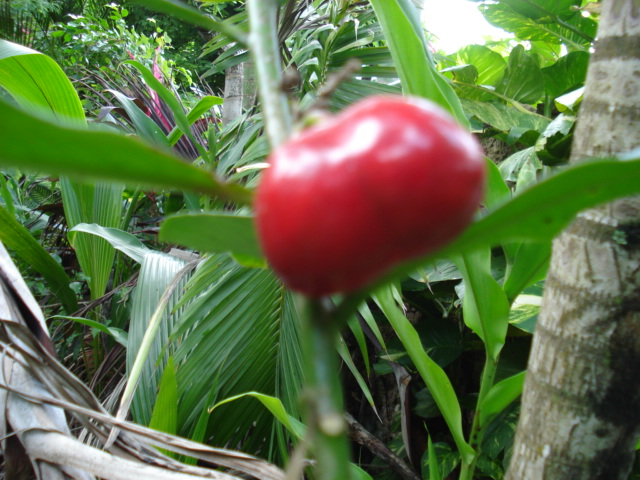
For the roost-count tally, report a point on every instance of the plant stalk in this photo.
(265, 49)
(477, 430)
(323, 394)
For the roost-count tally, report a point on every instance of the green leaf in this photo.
(160, 282)
(500, 396)
(542, 211)
(171, 100)
(489, 64)
(434, 469)
(530, 266)
(165, 415)
(145, 127)
(275, 406)
(523, 80)
(346, 357)
(112, 157)
(118, 335)
(18, 239)
(127, 243)
(503, 117)
(240, 331)
(99, 203)
(445, 458)
(524, 312)
(574, 30)
(214, 232)
(405, 36)
(39, 85)
(567, 74)
(203, 106)
(433, 375)
(485, 305)
(189, 14)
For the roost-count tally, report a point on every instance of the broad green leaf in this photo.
(576, 31)
(499, 397)
(275, 406)
(118, 335)
(503, 117)
(99, 203)
(542, 9)
(489, 64)
(524, 312)
(523, 80)
(39, 85)
(511, 166)
(127, 243)
(433, 375)
(17, 238)
(113, 157)
(405, 36)
(214, 232)
(567, 74)
(485, 306)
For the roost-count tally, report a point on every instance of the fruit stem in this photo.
(323, 393)
(265, 50)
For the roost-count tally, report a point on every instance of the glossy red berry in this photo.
(386, 180)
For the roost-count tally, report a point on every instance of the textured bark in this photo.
(580, 417)
(233, 81)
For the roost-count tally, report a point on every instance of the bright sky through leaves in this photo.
(456, 23)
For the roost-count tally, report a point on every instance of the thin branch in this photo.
(359, 434)
(263, 42)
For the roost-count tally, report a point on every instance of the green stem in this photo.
(325, 417)
(263, 42)
(477, 430)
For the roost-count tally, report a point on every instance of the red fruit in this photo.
(386, 180)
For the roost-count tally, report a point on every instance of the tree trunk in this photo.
(239, 91)
(581, 403)
(233, 81)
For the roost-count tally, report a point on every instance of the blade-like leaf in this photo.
(433, 375)
(500, 396)
(214, 232)
(128, 244)
(18, 239)
(113, 157)
(118, 335)
(405, 36)
(275, 406)
(485, 305)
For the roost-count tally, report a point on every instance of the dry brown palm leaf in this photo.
(36, 390)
